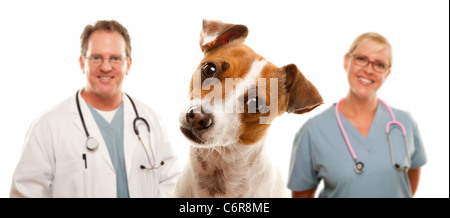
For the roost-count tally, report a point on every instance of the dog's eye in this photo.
(209, 70)
(256, 105)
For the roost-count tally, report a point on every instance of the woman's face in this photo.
(367, 69)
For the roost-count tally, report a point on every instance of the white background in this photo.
(39, 50)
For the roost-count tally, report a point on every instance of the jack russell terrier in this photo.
(234, 96)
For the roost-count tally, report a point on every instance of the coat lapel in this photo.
(91, 126)
(129, 136)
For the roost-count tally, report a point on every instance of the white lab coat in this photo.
(52, 162)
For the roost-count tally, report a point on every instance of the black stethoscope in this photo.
(92, 143)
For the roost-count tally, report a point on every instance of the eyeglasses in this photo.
(94, 59)
(363, 61)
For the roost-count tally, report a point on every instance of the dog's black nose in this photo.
(199, 120)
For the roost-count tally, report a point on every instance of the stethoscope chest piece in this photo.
(91, 143)
(359, 167)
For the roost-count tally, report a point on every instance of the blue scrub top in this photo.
(320, 153)
(114, 139)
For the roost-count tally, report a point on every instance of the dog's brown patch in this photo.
(214, 182)
(201, 160)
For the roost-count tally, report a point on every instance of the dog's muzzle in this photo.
(196, 123)
(198, 119)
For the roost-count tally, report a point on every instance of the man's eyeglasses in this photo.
(94, 59)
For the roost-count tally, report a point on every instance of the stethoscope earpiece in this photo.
(151, 168)
(399, 168)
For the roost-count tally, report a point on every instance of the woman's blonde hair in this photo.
(380, 41)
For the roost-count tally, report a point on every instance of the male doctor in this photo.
(58, 160)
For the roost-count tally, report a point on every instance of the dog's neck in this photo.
(223, 171)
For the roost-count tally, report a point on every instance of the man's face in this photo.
(104, 78)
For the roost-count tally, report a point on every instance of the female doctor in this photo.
(347, 146)
(87, 145)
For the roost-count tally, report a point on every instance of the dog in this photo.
(226, 124)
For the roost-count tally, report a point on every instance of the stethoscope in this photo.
(359, 166)
(92, 143)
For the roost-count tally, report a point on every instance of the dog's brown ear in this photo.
(303, 95)
(216, 33)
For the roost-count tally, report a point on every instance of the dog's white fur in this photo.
(248, 170)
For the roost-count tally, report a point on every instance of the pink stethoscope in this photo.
(359, 166)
